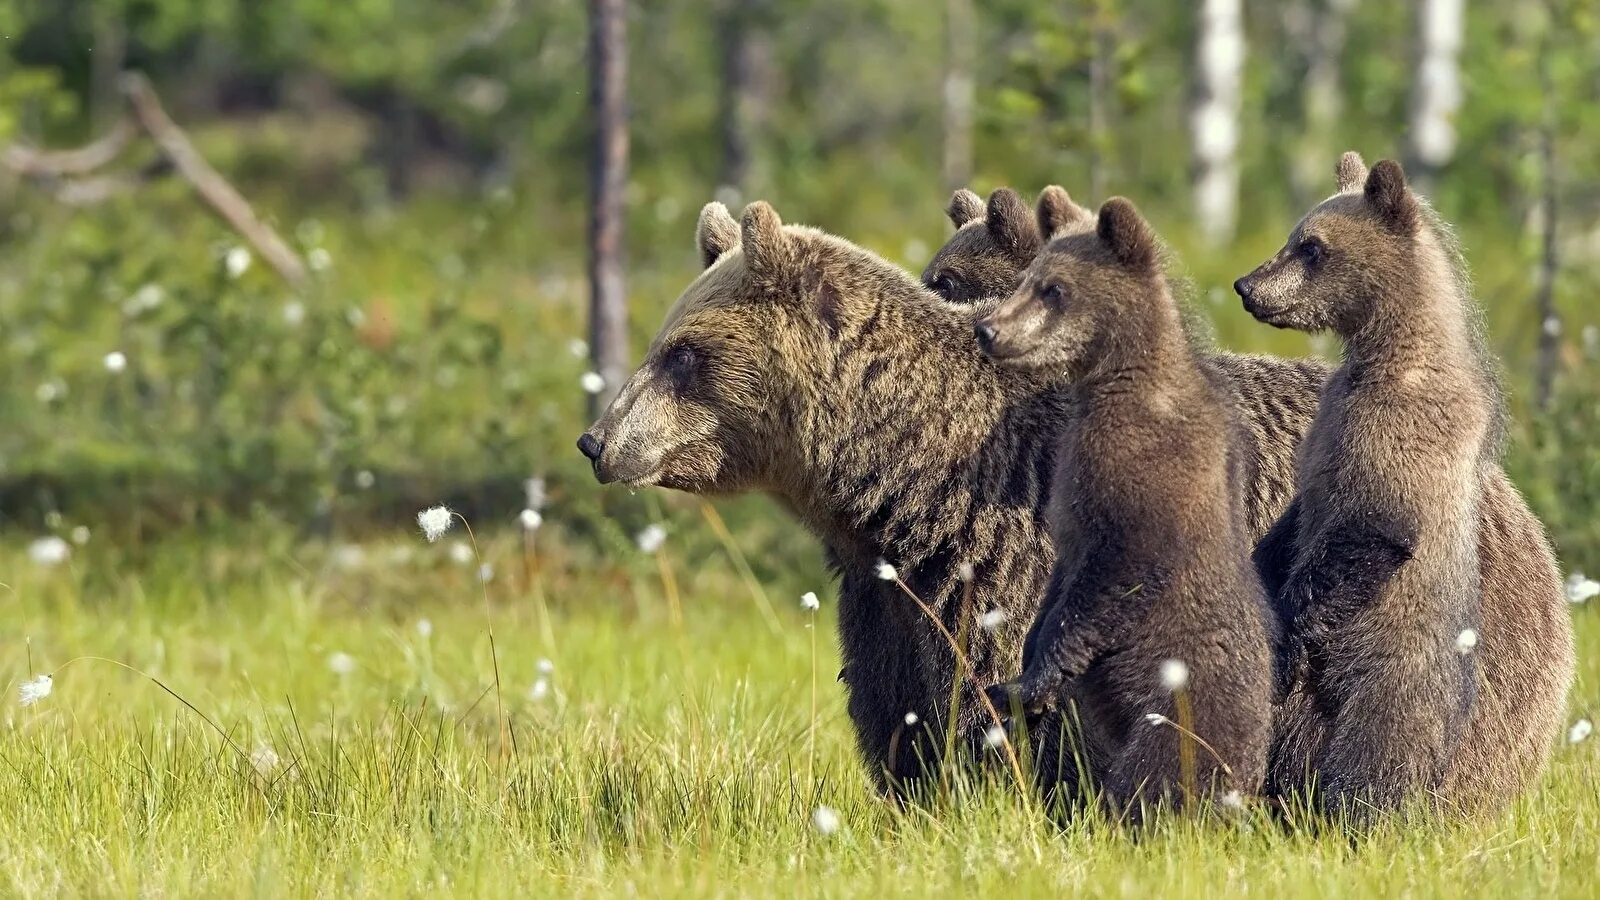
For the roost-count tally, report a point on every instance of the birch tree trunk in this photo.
(608, 311)
(1214, 119)
(959, 45)
(1549, 261)
(744, 104)
(1436, 87)
(1319, 29)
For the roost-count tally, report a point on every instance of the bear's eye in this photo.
(1053, 294)
(1311, 250)
(945, 285)
(680, 363)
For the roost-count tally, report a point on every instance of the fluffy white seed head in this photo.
(425, 628)
(539, 690)
(365, 479)
(1174, 675)
(294, 312)
(992, 619)
(80, 535)
(651, 537)
(592, 382)
(1581, 588)
(530, 519)
(35, 689)
(885, 571)
(578, 348)
(341, 663)
(49, 551)
(1156, 719)
(1466, 641)
(435, 521)
(964, 572)
(237, 261)
(1232, 800)
(545, 667)
(809, 601)
(1579, 731)
(461, 553)
(264, 759)
(116, 361)
(825, 820)
(911, 718)
(994, 737)
(319, 260)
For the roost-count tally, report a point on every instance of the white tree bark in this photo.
(1214, 119)
(958, 93)
(1436, 90)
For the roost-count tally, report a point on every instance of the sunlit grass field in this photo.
(323, 719)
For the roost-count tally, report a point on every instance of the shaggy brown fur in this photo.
(982, 259)
(1148, 516)
(1385, 556)
(802, 366)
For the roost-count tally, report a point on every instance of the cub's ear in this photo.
(716, 234)
(1351, 172)
(1127, 234)
(1011, 224)
(964, 207)
(1056, 212)
(766, 247)
(1390, 198)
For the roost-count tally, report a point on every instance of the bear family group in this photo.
(1068, 531)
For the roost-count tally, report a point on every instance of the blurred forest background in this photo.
(404, 317)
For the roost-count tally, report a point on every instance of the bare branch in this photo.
(36, 163)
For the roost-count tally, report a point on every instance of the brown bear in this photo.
(1153, 580)
(991, 245)
(802, 366)
(1430, 647)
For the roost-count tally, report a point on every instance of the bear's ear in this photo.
(766, 247)
(1127, 234)
(1056, 211)
(716, 234)
(964, 207)
(1011, 223)
(1390, 198)
(1351, 172)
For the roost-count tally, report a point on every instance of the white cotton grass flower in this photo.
(1232, 800)
(886, 571)
(530, 519)
(825, 819)
(425, 628)
(35, 689)
(650, 538)
(236, 261)
(1581, 588)
(80, 535)
(341, 663)
(1174, 675)
(578, 348)
(1156, 719)
(49, 551)
(319, 260)
(365, 479)
(1580, 731)
(1466, 641)
(294, 313)
(545, 667)
(539, 690)
(911, 718)
(264, 759)
(809, 601)
(592, 382)
(115, 361)
(50, 391)
(964, 572)
(485, 573)
(992, 619)
(461, 553)
(994, 737)
(435, 521)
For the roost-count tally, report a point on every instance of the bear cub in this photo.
(1379, 548)
(1155, 623)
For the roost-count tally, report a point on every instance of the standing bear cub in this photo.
(1376, 562)
(1153, 590)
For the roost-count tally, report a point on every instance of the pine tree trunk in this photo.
(1435, 88)
(959, 44)
(744, 57)
(608, 311)
(1549, 262)
(1214, 119)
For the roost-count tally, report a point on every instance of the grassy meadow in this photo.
(314, 718)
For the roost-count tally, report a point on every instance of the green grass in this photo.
(668, 758)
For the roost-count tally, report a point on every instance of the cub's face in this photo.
(1073, 294)
(1339, 257)
(993, 243)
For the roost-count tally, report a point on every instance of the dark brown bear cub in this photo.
(1376, 560)
(1153, 590)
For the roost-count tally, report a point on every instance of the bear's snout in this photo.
(985, 332)
(590, 446)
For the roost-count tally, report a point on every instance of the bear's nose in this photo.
(985, 334)
(1243, 287)
(590, 446)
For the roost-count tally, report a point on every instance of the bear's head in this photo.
(750, 351)
(992, 244)
(1079, 290)
(1342, 256)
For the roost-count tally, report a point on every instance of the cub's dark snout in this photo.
(1244, 287)
(985, 333)
(590, 446)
